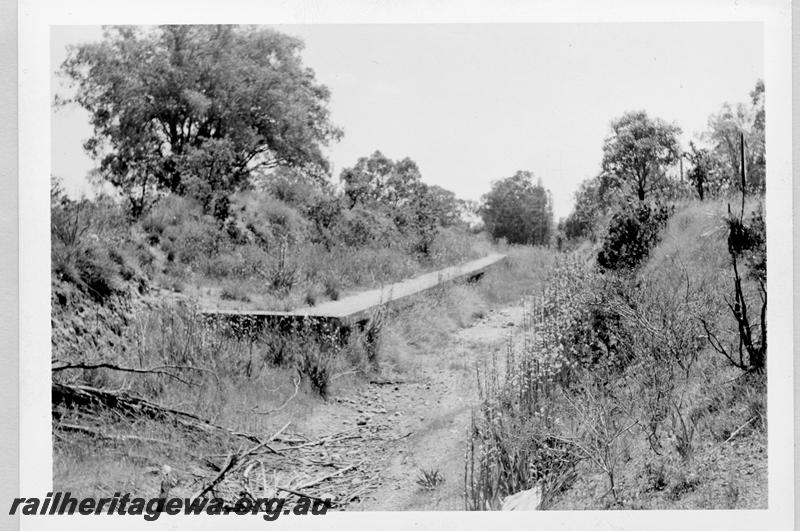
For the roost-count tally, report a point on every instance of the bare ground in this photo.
(428, 417)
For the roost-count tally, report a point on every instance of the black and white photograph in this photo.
(298, 269)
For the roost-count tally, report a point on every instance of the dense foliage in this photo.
(394, 190)
(632, 232)
(518, 210)
(637, 152)
(725, 130)
(198, 109)
(582, 222)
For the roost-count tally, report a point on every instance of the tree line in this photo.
(643, 160)
(210, 111)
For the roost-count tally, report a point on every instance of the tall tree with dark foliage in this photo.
(518, 210)
(196, 109)
(637, 152)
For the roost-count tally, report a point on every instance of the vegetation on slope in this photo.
(640, 379)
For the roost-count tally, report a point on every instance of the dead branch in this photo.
(387, 382)
(301, 494)
(329, 476)
(111, 366)
(86, 396)
(99, 434)
(234, 460)
(323, 440)
(737, 430)
(286, 403)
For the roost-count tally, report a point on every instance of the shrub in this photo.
(749, 240)
(90, 266)
(746, 241)
(332, 287)
(324, 213)
(169, 210)
(89, 248)
(655, 474)
(283, 274)
(183, 231)
(270, 220)
(234, 291)
(194, 240)
(454, 245)
(225, 265)
(292, 186)
(632, 233)
(429, 478)
(585, 215)
(595, 336)
(315, 361)
(361, 227)
(373, 334)
(311, 297)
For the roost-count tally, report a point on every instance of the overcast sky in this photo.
(475, 103)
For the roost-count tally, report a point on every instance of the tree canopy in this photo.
(379, 180)
(588, 209)
(518, 210)
(196, 109)
(725, 128)
(395, 188)
(637, 152)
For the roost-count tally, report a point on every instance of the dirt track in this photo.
(428, 418)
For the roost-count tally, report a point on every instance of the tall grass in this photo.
(269, 256)
(513, 444)
(610, 393)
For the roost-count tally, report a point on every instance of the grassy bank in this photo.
(615, 398)
(244, 381)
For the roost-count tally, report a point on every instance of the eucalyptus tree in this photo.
(197, 109)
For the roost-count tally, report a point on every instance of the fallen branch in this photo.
(87, 396)
(399, 437)
(234, 459)
(387, 382)
(286, 403)
(329, 476)
(301, 494)
(322, 440)
(120, 368)
(97, 433)
(737, 430)
(361, 490)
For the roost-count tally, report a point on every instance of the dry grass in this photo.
(613, 398)
(242, 379)
(523, 273)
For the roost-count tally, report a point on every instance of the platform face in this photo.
(352, 306)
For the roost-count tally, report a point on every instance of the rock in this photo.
(526, 500)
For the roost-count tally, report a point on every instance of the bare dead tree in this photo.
(752, 336)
